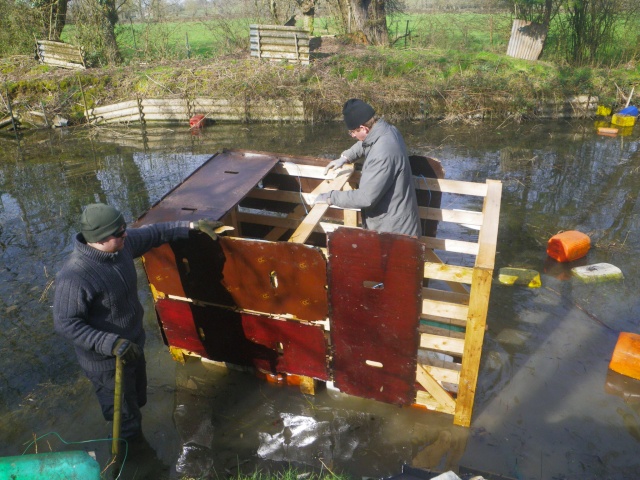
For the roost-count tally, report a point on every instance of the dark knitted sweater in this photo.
(96, 294)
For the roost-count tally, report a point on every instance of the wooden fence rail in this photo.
(60, 54)
(276, 42)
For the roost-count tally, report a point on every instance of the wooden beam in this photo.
(488, 238)
(443, 398)
(454, 346)
(317, 212)
(474, 337)
(450, 273)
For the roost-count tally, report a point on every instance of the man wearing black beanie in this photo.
(96, 304)
(386, 194)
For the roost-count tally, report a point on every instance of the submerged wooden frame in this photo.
(199, 293)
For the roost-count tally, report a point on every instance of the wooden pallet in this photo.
(388, 317)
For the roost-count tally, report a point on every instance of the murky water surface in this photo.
(546, 406)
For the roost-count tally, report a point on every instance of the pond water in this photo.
(546, 406)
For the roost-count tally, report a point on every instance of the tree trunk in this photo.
(59, 19)
(110, 13)
(308, 8)
(369, 17)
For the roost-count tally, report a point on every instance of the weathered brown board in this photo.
(277, 278)
(219, 185)
(301, 348)
(375, 282)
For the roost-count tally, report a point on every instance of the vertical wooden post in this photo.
(478, 304)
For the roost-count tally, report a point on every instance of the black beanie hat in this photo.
(356, 112)
(98, 221)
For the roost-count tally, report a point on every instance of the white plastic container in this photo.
(598, 272)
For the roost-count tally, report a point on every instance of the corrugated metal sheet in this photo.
(527, 40)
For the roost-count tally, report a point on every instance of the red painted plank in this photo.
(301, 349)
(375, 282)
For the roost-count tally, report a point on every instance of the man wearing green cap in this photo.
(386, 195)
(96, 304)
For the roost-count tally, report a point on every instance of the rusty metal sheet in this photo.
(275, 277)
(527, 40)
(375, 284)
(213, 189)
(300, 349)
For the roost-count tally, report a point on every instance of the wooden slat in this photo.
(451, 186)
(442, 374)
(317, 212)
(448, 245)
(297, 170)
(454, 216)
(450, 273)
(431, 256)
(279, 195)
(442, 344)
(434, 310)
(444, 399)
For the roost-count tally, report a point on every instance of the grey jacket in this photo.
(386, 195)
(96, 294)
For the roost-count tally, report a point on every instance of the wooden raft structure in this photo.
(300, 293)
(60, 54)
(280, 43)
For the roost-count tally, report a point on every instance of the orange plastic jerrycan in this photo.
(626, 355)
(568, 246)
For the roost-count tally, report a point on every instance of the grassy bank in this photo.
(467, 78)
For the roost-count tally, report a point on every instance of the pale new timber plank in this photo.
(297, 170)
(442, 374)
(448, 245)
(444, 398)
(435, 309)
(476, 323)
(277, 232)
(454, 216)
(450, 186)
(442, 344)
(488, 237)
(443, 332)
(350, 216)
(451, 273)
(317, 212)
(445, 296)
(431, 256)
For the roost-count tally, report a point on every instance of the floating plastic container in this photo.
(519, 276)
(610, 132)
(568, 246)
(599, 272)
(74, 465)
(603, 111)
(632, 111)
(197, 121)
(623, 120)
(626, 355)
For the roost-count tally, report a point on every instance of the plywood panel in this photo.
(279, 278)
(214, 189)
(375, 283)
(301, 349)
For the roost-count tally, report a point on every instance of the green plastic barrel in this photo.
(75, 465)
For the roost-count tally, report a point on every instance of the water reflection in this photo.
(545, 404)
